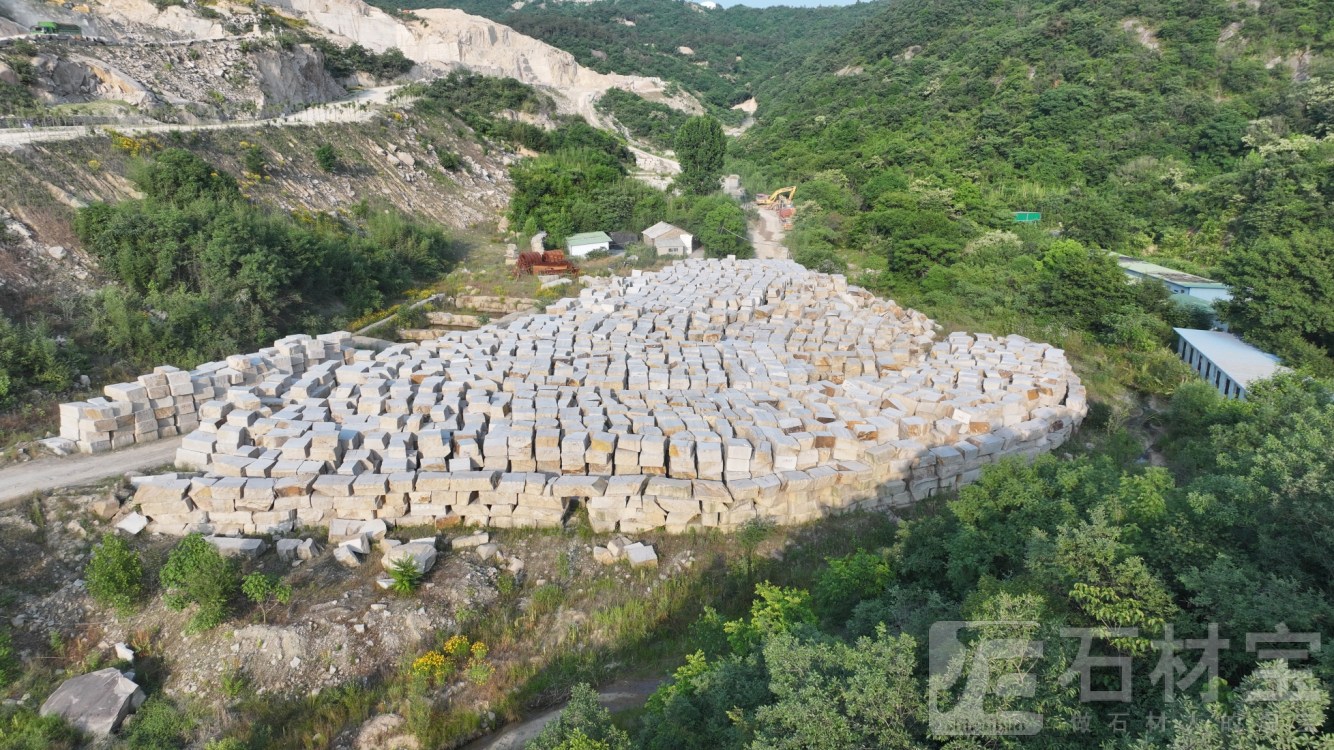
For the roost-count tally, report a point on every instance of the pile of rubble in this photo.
(707, 394)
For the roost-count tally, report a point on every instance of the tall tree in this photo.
(700, 147)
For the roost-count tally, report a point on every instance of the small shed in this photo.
(579, 245)
(1177, 282)
(669, 239)
(1225, 361)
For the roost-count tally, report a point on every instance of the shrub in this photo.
(196, 573)
(847, 581)
(158, 725)
(265, 591)
(457, 654)
(252, 158)
(326, 157)
(25, 730)
(597, 255)
(583, 723)
(9, 664)
(115, 575)
(406, 577)
(448, 159)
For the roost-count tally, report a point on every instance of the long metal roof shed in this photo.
(1163, 273)
(1225, 361)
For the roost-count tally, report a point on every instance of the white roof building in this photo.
(1225, 361)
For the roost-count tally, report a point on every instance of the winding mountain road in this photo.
(360, 107)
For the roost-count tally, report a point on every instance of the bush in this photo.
(265, 591)
(25, 730)
(158, 725)
(115, 575)
(9, 664)
(326, 157)
(196, 573)
(583, 723)
(848, 581)
(448, 159)
(252, 158)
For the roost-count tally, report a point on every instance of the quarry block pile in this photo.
(703, 395)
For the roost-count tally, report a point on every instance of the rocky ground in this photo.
(339, 629)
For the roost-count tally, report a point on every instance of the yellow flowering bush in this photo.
(458, 654)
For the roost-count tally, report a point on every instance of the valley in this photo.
(650, 374)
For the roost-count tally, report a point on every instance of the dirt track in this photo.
(766, 234)
(44, 474)
(615, 697)
(359, 108)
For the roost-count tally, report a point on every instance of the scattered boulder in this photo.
(230, 546)
(287, 549)
(133, 524)
(472, 540)
(487, 551)
(385, 732)
(641, 556)
(347, 557)
(107, 507)
(308, 550)
(360, 544)
(421, 554)
(376, 529)
(96, 702)
(124, 652)
(58, 445)
(617, 546)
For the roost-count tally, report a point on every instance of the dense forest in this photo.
(1147, 588)
(1196, 132)
(730, 51)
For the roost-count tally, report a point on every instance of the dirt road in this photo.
(360, 107)
(615, 697)
(766, 234)
(21, 480)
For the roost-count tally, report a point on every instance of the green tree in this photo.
(700, 148)
(1082, 285)
(723, 232)
(582, 725)
(196, 573)
(114, 575)
(832, 695)
(1283, 295)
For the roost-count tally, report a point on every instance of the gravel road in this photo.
(21, 480)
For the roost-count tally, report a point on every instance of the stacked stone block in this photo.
(169, 401)
(704, 395)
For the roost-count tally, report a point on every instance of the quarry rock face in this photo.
(704, 395)
(96, 702)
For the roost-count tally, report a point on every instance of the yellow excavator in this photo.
(782, 194)
(780, 200)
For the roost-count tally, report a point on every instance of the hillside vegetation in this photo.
(1193, 131)
(730, 51)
